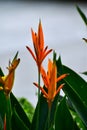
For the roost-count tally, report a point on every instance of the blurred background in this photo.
(63, 31)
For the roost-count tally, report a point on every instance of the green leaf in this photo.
(77, 84)
(84, 72)
(2, 108)
(78, 120)
(17, 122)
(63, 118)
(1, 72)
(5, 108)
(82, 15)
(8, 113)
(19, 111)
(43, 114)
(16, 55)
(1, 123)
(76, 89)
(27, 107)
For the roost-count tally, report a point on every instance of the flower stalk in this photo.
(6, 84)
(38, 84)
(8, 80)
(8, 113)
(50, 80)
(38, 100)
(40, 52)
(49, 114)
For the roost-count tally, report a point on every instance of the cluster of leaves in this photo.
(68, 112)
(27, 107)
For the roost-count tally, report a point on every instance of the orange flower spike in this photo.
(40, 37)
(8, 80)
(38, 43)
(45, 77)
(50, 81)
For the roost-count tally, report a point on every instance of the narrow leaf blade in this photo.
(82, 15)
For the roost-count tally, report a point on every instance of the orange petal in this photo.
(33, 36)
(59, 88)
(61, 77)
(42, 90)
(35, 42)
(13, 65)
(9, 82)
(49, 68)
(46, 53)
(1, 80)
(52, 86)
(31, 53)
(40, 37)
(9, 79)
(44, 77)
(45, 49)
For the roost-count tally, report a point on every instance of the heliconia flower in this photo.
(50, 81)
(38, 42)
(8, 80)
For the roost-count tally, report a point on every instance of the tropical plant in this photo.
(53, 110)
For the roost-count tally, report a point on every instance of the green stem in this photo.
(37, 125)
(8, 113)
(38, 84)
(47, 125)
(49, 113)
